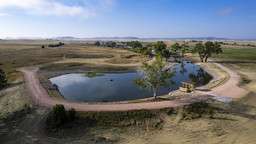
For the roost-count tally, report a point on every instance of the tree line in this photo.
(205, 50)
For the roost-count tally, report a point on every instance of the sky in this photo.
(234, 19)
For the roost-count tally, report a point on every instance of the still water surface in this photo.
(119, 87)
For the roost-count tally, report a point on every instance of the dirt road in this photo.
(41, 97)
(230, 88)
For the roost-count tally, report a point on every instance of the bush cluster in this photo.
(197, 110)
(115, 118)
(59, 116)
(144, 51)
(56, 45)
(138, 48)
(97, 43)
(111, 44)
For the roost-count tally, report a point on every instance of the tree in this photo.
(200, 49)
(205, 51)
(59, 115)
(155, 76)
(111, 44)
(159, 46)
(141, 49)
(161, 51)
(165, 53)
(135, 44)
(60, 44)
(176, 47)
(184, 48)
(3, 80)
(148, 52)
(97, 43)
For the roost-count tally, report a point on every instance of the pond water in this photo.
(119, 86)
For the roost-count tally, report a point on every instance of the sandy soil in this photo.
(40, 96)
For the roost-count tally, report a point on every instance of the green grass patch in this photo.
(242, 54)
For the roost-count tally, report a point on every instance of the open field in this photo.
(23, 121)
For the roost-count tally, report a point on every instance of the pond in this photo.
(112, 87)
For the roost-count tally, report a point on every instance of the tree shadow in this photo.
(164, 99)
(204, 90)
(13, 85)
(223, 118)
(234, 62)
(242, 109)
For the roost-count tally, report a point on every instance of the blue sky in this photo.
(140, 18)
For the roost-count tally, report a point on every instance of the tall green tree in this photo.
(175, 47)
(161, 51)
(184, 48)
(207, 49)
(159, 46)
(200, 49)
(3, 80)
(111, 44)
(135, 44)
(165, 53)
(155, 76)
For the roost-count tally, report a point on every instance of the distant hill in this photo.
(135, 38)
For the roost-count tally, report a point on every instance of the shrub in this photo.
(111, 44)
(197, 110)
(56, 45)
(97, 43)
(71, 114)
(3, 80)
(58, 115)
(168, 111)
(210, 112)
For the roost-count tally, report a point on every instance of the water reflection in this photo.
(76, 87)
(182, 67)
(201, 78)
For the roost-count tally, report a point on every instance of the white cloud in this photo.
(3, 14)
(52, 7)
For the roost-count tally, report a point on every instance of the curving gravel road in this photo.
(41, 97)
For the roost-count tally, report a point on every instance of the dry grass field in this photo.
(21, 121)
